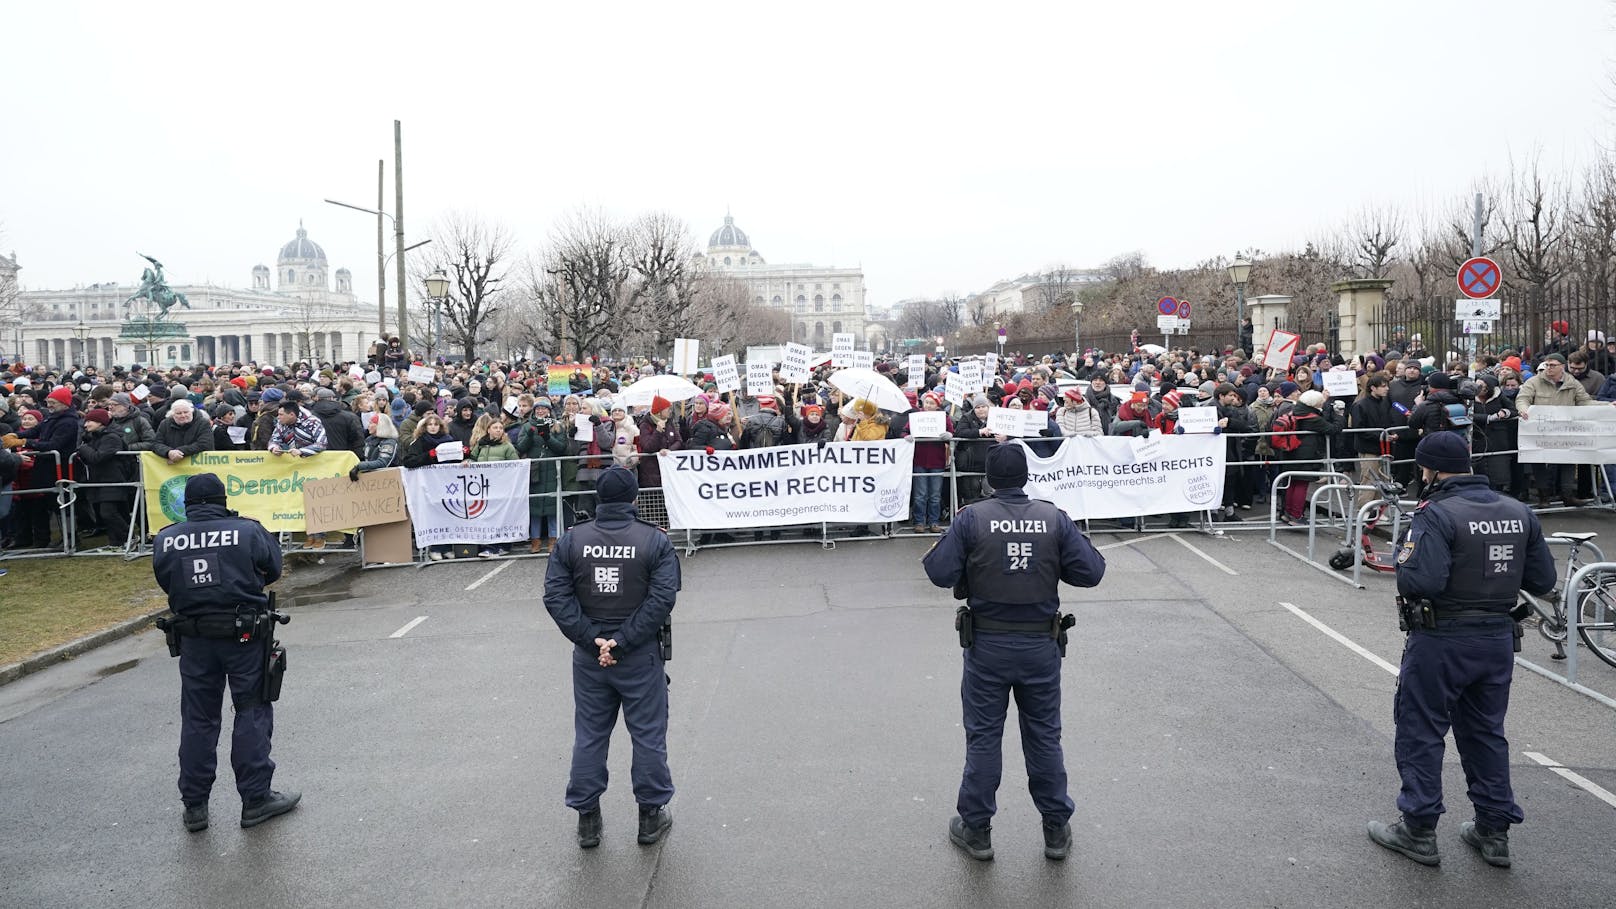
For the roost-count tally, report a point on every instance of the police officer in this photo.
(214, 566)
(610, 587)
(1468, 553)
(1010, 554)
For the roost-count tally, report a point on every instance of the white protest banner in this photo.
(954, 389)
(759, 378)
(1568, 435)
(971, 373)
(423, 375)
(450, 451)
(726, 374)
(477, 502)
(1341, 383)
(854, 483)
(841, 350)
(794, 362)
(1116, 477)
(1198, 419)
(1282, 346)
(928, 424)
(863, 359)
(1005, 421)
(915, 366)
(686, 356)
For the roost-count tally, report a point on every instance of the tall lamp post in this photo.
(82, 332)
(437, 290)
(382, 259)
(1077, 330)
(998, 333)
(1239, 272)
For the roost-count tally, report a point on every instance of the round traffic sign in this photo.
(1479, 278)
(1167, 306)
(1183, 310)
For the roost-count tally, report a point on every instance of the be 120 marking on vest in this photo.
(1017, 557)
(607, 578)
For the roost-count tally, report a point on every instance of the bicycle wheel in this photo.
(1596, 622)
(1548, 621)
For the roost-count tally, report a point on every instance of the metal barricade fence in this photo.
(53, 496)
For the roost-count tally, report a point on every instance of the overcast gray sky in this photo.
(941, 146)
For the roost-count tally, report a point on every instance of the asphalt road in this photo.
(1224, 751)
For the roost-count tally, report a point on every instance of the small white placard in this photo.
(928, 424)
(794, 363)
(238, 434)
(1469, 310)
(1148, 449)
(140, 393)
(971, 373)
(990, 364)
(726, 374)
(423, 375)
(1341, 383)
(759, 378)
(1002, 421)
(954, 390)
(450, 451)
(1034, 422)
(841, 350)
(1166, 323)
(583, 430)
(1198, 419)
(863, 359)
(686, 356)
(512, 405)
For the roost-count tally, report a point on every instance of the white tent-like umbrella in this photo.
(674, 388)
(869, 384)
(1153, 349)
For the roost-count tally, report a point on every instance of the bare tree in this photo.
(307, 317)
(1128, 266)
(583, 285)
(11, 314)
(926, 319)
(979, 309)
(1374, 236)
(475, 255)
(1594, 228)
(1538, 226)
(665, 297)
(1055, 289)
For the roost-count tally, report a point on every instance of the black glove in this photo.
(353, 474)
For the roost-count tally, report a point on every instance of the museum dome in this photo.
(729, 236)
(302, 248)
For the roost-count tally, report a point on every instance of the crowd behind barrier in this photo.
(69, 489)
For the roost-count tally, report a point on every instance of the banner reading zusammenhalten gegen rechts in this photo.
(1568, 435)
(846, 483)
(267, 488)
(1119, 477)
(470, 502)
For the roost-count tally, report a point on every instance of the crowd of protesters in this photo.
(58, 424)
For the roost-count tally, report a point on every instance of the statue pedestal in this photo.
(154, 342)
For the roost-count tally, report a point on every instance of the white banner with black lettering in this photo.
(1119, 477)
(1568, 435)
(470, 502)
(847, 483)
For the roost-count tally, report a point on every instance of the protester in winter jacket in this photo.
(343, 431)
(872, 423)
(542, 439)
(715, 431)
(1076, 417)
(658, 432)
(930, 460)
(100, 454)
(1103, 401)
(766, 427)
(129, 423)
(813, 428)
(464, 420)
(1317, 426)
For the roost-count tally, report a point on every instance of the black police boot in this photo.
(196, 817)
(589, 825)
(1057, 841)
(1493, 846)
(977, 842)
(654, 821)
(1418, 843)
(269, 805)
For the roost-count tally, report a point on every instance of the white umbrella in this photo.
(674, 388)
(1153, 349)
(869, 384)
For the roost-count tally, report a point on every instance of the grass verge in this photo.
(48, 602)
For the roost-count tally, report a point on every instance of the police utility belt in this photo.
(247, 625)
(968, 624)
(1424, 615)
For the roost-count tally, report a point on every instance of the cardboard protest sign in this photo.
(339, 503)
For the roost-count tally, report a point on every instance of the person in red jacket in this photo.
(931, 460)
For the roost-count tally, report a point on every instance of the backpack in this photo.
(762, 436)
(1286, 428)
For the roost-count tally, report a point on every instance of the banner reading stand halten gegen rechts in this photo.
(846, 483)
(1119, 477)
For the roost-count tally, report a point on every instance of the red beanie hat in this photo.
(1139, 397)
(98, 415)
(239, 382)
(61, 396)
(1172, 398)
(659, 404)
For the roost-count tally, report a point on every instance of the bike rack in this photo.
(1574, 611)
(1282, 481)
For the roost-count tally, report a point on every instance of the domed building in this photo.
(822, 300)
(302, 318)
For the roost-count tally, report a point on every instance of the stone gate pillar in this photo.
(1359, 306)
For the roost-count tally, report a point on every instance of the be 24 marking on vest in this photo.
(1017, 557)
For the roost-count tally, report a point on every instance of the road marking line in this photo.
(485, 578)
(1592, 788)
(1345, 579)
(1123, 543)
(1214, 562)
(1341, 639)
(406, 629)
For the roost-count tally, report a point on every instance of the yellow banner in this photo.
(267, 488)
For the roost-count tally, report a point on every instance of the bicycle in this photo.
(1596, 622)
(1391, 496)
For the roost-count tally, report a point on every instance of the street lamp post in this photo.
(998, 332)
(1077, 330)
(1239, 272)
(437, 290)
(82, 332)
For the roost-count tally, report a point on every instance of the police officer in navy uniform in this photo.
(214, 566)
(610, 587)
(1010, 553)
(1468, 553)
